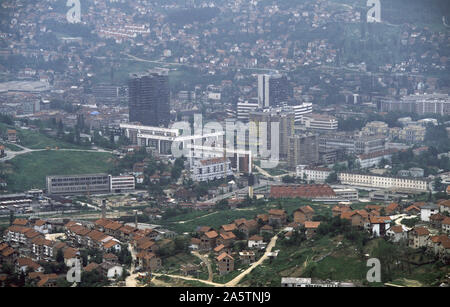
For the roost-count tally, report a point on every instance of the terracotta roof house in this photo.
(225, 263)
(277, 217)
(311, 228)
(303, 214)
(418, 237)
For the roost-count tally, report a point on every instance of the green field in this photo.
(29, 170)
(217, 218)
(35, 140)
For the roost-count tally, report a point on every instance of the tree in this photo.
(438, 186)
(181, 244)
(11, 217)
(59, 256)
(332, 178)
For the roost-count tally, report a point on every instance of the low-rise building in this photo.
(225, 263)
(210, 169)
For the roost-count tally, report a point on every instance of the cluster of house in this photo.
(109, 235)
(432, 233)
(220, 241)
(26, 247)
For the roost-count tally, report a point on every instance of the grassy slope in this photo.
(30, 170)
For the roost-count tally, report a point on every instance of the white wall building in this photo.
(302, 110)
(210, 169)
(316, 174)
(427, 211)
(122, 183)
(320, 122)
(244, 108)
(374, 181)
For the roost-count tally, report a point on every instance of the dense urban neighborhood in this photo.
(193, 143)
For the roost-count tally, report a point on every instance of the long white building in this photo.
(319, 175)
(374, 181)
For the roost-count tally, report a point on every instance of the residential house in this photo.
(148, 261)
(228, 228)
(266, 229)
(444, 206)
(225, 263)
(303, 214)
(42, 226)
(357, 218)
(392, 208)
(446, 225)
(418, 237)
(112, 271)
(428, 210)
(208, 240)
(397, 233)
(412, 210)
(436, 220)
(247, 257)
(226, 238)
(195, 244)
(379, 225)
(256, 241)
(24, 264)
(277, 217)
(311, 228)
(247, 227)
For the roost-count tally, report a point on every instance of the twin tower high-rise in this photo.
(149, 99)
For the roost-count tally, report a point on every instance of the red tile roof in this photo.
(301, 191)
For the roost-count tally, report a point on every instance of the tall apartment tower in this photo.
(149, 99)
(286, 129)
(303, 149)
(273, 90)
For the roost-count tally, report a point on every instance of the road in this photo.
(237, 279)
(12, 154)
(277, 177)
(208, 264)
(130, 281)
(191, 279)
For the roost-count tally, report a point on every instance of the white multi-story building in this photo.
(374, 158)
(210, 169)
(122, 183)
(374, 181)
(244, 108)
(427, 211)
(316, 174)
(302, 110)
(320, 122)
(348, 194)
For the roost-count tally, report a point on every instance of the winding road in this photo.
(235, 281)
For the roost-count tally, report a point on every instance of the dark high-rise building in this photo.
(303, 149)
(273, 90)
(149, 99)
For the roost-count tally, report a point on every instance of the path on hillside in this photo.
(196, 218)
(206, 261)
(235, 280)
(238, 278)
(191, 279)
(25, 150)
(130, 281)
